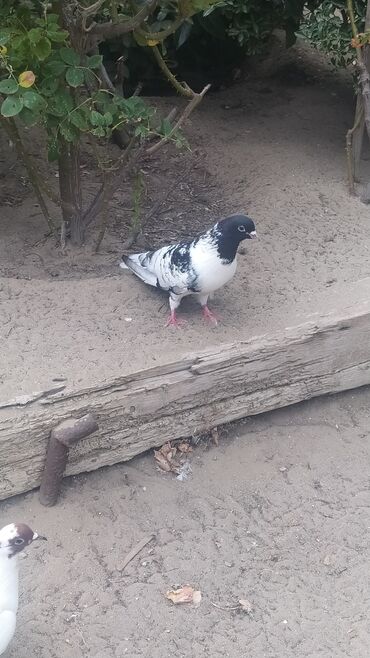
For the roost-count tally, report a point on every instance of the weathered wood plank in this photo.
(141, 411)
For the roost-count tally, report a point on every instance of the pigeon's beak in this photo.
(253, 234)
(37, 536)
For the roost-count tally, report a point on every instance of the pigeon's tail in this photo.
(132, 263)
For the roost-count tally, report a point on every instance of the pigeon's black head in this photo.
(231, 231)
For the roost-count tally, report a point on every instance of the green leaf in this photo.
(11, 106)
(108, 119)
(61, 103)
(90, 77)
(8, 86)
(69, 56)
(4, 38)
(141, 131)
(35, 35)
(53, 18)
(29, 118)
(97, 119)
(78, 119)
(56, 67)
(183, 33)
(75, 76)
(98, 132)
(166, 127)
(58, 36)
(49, 86)
(42, 49)
(33, 101)
(94, 61)
(18, 41)
(68, 131)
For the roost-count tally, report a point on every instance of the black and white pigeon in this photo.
(13, 539)
(197, 267)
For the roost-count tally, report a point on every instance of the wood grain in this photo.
(135, 413)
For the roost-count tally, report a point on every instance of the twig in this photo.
(133, 237)
(134, 552)
(183, 90)
(349, 140)
(102, 31)
(227, 609)
(104, 191)
(163, 34)
(188, 110)
(104, 223)
(12, 130)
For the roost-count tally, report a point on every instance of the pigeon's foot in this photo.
(209, 316)
(173, 321)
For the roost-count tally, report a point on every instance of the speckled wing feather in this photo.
(168, 268)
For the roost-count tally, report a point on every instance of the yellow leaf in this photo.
(3, 50)
(26, 79)
(152, 42)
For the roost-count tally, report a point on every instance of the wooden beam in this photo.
(326, 355)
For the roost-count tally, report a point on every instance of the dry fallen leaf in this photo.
(185, 594)
(184, 447)
(245, 606)
(165, 458)
(162, 462)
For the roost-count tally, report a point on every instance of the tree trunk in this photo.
(70, 190)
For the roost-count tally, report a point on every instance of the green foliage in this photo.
(58, 99)
(251, 22)
(329, 30)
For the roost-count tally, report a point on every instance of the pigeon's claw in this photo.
(209, 316)
(173, 321)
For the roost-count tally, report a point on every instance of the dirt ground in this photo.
(272, 146)
(278, 513)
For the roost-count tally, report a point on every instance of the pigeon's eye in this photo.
(241, 229)
(19, 541)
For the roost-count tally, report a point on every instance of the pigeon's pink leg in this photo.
(209, 316)
(173, 321)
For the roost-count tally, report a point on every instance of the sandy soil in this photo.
(272, 146)
(278, 514)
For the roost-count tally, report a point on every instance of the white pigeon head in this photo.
(15, 537)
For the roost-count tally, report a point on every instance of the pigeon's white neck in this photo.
(8, 582)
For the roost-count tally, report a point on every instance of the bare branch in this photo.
(10, 127)
(186, 113)
(184, 91)
(109, 30)
(106, 189)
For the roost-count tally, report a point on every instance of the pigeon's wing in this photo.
(8, 622)
(168, 268)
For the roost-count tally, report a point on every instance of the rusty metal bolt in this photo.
(62, 438)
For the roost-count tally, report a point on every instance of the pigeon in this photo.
(197, 267)
(13, 539)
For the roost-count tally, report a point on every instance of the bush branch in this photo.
(11, 128)
(110, 30)
(186, 113)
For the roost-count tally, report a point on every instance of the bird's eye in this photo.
(241, 229)
(19, 541)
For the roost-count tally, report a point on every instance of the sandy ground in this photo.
(272, 146)
(278, 514)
